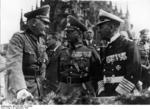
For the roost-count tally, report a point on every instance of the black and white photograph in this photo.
(74, 52)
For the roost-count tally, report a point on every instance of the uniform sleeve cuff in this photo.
(125, 87)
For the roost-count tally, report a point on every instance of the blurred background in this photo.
(134, 12)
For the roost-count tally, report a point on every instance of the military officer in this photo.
(77, 64)
(121, 64)
(144, 47)
(26, 54)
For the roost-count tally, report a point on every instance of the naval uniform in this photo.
(120, 68)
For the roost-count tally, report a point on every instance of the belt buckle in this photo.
(69, 80)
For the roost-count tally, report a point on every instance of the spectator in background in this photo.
(89, 40)
(53, 50)
(131, 33)
(144, 47)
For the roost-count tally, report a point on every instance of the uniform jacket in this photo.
(80, 61)
(22, 54)
(122, 59)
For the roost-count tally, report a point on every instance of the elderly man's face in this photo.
(89, 35)
(38, 27)
(106, 31)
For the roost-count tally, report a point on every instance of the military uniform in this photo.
(78, 66)
(27, 56)
(23, 55)
(121, 60)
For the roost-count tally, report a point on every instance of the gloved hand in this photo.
(23, 94)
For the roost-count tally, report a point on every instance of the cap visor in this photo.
(46, 20)
(102, 22)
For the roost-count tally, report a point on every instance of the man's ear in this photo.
(113, 27)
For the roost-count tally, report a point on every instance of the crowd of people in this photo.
(76, 65)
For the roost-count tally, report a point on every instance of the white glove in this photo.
(23, 94)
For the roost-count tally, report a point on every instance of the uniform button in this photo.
(112, 69)
(132, 77)
(70, 72)
(104, 70)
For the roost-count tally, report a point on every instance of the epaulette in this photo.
(129, 40)
(19, 33)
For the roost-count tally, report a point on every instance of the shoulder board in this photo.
(20, 33)
(129, 40)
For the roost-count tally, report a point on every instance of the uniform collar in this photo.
(114, 37)
(35, 38)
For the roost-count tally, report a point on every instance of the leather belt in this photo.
(72, 80)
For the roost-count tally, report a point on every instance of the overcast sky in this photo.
(11, 9)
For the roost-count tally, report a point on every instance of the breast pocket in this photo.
(29, 57)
